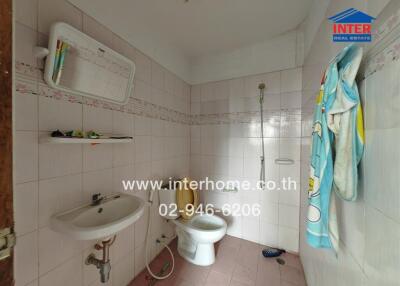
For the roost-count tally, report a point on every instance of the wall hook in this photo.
(40, 52)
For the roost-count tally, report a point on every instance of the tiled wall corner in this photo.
(225, 144)
(371, 221)
(52, 178)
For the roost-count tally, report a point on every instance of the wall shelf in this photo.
(64, 140)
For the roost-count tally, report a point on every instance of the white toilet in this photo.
(196, 234)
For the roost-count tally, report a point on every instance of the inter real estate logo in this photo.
(351, 25)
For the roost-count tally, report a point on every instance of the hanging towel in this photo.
(346, 122)
(337, 147)
(321, 218)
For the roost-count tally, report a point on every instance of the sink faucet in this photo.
(96, 199)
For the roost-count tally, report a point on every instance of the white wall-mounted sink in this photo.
(114, 213)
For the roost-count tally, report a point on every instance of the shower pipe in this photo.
(261, 87)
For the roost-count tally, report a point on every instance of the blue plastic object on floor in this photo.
(272, 252)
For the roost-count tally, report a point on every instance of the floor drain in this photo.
(280, 261)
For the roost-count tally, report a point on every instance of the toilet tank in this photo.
(168, 206)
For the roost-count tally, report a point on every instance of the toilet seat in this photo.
(202, 223)
(186, 196)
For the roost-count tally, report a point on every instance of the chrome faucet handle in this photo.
(96, 199)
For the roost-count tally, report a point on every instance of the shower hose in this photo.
(261, 87)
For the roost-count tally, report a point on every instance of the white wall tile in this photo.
(59, 159)
(269, 212)
(143, 67)
(26, 207)
(157, 127)
(142, 90)
(290, 124)
(141, 228)
(26, 259)
(290, 148)
(64, 176)
(251, 229)
(272, 101)
(207, 92)
(25, 40)
(26, 112)
(288, 238)
(289, 216)
(122, 174)
(169, 82)
(97, 119)
(236, 88)
(221, 90)
(51, 11)
(381, 268)
(97, 182)
(271, 80)
(195, 93)
(26, 12)
(222, 146)
(123, 271)
(33, 283)
(54, 249)
(142, 149)
(58, 114)
(123, 154)
(57, 195)
(69, 273)
(97, 157)
(291, 80)
(124, 244)
(291, 100)
(380, 151)
(123, 47)
(363, 224)
(97, 31)
(142, 125)
(268, 233)
(157, 76)
(26, 156)
(123, 124)
(139, 258)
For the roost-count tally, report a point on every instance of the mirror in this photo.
(77, 63)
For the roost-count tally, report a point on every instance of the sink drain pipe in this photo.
(103, 264)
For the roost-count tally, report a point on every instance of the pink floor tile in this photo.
(245, 273)
(285, 283)
(217, 279)
(238, 263)
(235, 282)
(292, 260)
(291, 274)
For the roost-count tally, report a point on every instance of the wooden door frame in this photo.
(6, 158)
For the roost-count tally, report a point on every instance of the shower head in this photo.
(261, 87)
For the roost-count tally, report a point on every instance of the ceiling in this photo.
(196, 28)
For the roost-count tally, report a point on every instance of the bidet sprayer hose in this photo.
(160, 241)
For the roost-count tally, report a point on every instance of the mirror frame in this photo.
(56, 32)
